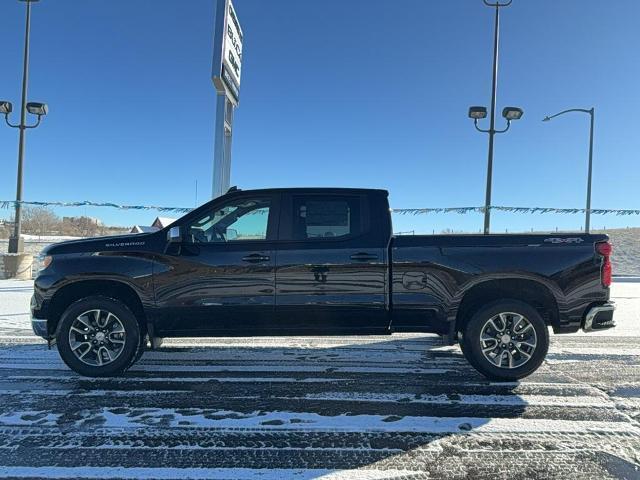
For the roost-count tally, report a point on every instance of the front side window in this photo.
(237, 221)
(325, 217)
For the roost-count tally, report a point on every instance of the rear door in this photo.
(331, 267)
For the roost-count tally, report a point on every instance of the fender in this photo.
(542, 290)
(70, 277)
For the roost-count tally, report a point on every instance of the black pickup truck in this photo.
(318, 261)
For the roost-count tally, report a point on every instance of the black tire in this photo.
(464, 350)
(142, 346)
(126, 355)
(472, 347)
(146, 342)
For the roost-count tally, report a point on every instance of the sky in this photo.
(356, 93)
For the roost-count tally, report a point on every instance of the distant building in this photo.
(142, 229)
(158, 224)
(161, 222)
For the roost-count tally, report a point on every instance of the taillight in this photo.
(605, 249)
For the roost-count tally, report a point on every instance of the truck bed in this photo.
(432, 273)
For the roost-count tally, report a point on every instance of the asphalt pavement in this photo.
(402, 406)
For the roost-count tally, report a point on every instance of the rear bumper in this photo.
(599, 318)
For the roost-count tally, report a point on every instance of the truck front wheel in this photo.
(98, 337)
(506, 340)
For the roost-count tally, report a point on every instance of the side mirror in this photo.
(232, 234)
(174, 235)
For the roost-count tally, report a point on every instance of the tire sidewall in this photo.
(132, 336)
(473, 350)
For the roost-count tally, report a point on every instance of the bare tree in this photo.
(81, 226)
(39, 221)
(5, 229)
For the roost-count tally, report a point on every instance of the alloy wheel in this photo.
(508, 340)
(97, 337)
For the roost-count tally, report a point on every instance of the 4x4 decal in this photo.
(564, 240)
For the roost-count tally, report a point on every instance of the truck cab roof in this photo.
(303, 190)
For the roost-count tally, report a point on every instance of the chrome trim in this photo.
(591, 314)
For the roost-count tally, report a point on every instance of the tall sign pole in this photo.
(226, 73)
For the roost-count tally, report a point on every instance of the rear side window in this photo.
(325, 217)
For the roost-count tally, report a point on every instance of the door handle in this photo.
(363, 257)
(256, 258)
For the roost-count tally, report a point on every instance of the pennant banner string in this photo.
(464, 210)
(12, 203)
(6, 204)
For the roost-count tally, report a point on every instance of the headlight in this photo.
(45, 261)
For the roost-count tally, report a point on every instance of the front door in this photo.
(331, 271)
(221, 278)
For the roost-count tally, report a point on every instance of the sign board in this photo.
(227, 60)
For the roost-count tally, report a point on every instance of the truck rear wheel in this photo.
(506, 340)
(98, 337)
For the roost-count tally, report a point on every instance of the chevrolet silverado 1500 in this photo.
(318, 261)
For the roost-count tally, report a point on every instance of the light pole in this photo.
(477, 113)
(591, 112)
(39, 109)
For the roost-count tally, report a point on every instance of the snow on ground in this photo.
(332, 408)
(15, 317)
(48, 238)
(200, 473)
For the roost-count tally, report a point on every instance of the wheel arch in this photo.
(80, 289)
(532, 292)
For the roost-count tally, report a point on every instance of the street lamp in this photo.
(512, 113)
(34, 108)
(5, 107)
(591, 112)
(478, 113)
(39, 109)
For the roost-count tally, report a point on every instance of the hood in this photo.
(137, 242)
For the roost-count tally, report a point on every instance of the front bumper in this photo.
(599, 318)
(39, 325)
